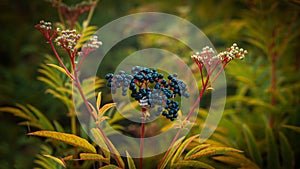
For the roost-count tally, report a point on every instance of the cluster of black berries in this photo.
(151, 89)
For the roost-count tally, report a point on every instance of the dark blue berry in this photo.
(160, 76)
(157, 86)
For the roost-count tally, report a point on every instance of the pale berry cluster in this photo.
(208, 56)
(45, 25)
(234, 52)
(93, 43)
(205, 56)
(46, 29)
(67, 40)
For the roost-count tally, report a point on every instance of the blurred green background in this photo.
(269, 30)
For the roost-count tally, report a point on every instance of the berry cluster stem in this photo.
(142, 136)
(204, 87)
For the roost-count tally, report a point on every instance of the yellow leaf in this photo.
(105, 108)
(15, 112)
(211, 151)
(100, 141)
(98, 101)
(68, 158)
(66, 138)
(59, 161)
(58, 68)
(94, 157)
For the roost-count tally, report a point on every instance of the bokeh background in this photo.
(270, 75)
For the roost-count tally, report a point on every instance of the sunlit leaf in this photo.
(104, 108)
(100, 141)
(171, 153)
(66, 138)
(93, 157)
(98, 103)
(181, 148)
(59, 161)
(16, 112)
(236, 160)
(58, 68)
(294, 128)
(196, 149)
(211, 151)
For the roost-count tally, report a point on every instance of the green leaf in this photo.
(43, 120)
(294, 128)
(110, 166)
(94, 157)
(60, 96)
(211, 151)
(286, 152)
(196, 149)
(58, 126)
(253, 102)
(59, 161)
(171, 152)
(181, 148)
(130, 161)
(43, 164)
(117, 154)
(273, 156)
(251, 145)
(236, 160)
(47, 81)
(66, 138)
(100, 141)
(32, 124)
(52, 164)
(192, 164)
(50, 76)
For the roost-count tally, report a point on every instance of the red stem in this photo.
(187, 118)
(59, 60)
(142, 137)
(220, 71)
(92, 114)
(78, 85)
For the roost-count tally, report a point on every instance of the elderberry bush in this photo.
(150, 89)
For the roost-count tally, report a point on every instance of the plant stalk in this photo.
(142, 136)
(186, 119)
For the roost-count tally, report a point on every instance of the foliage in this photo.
(259, 128)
